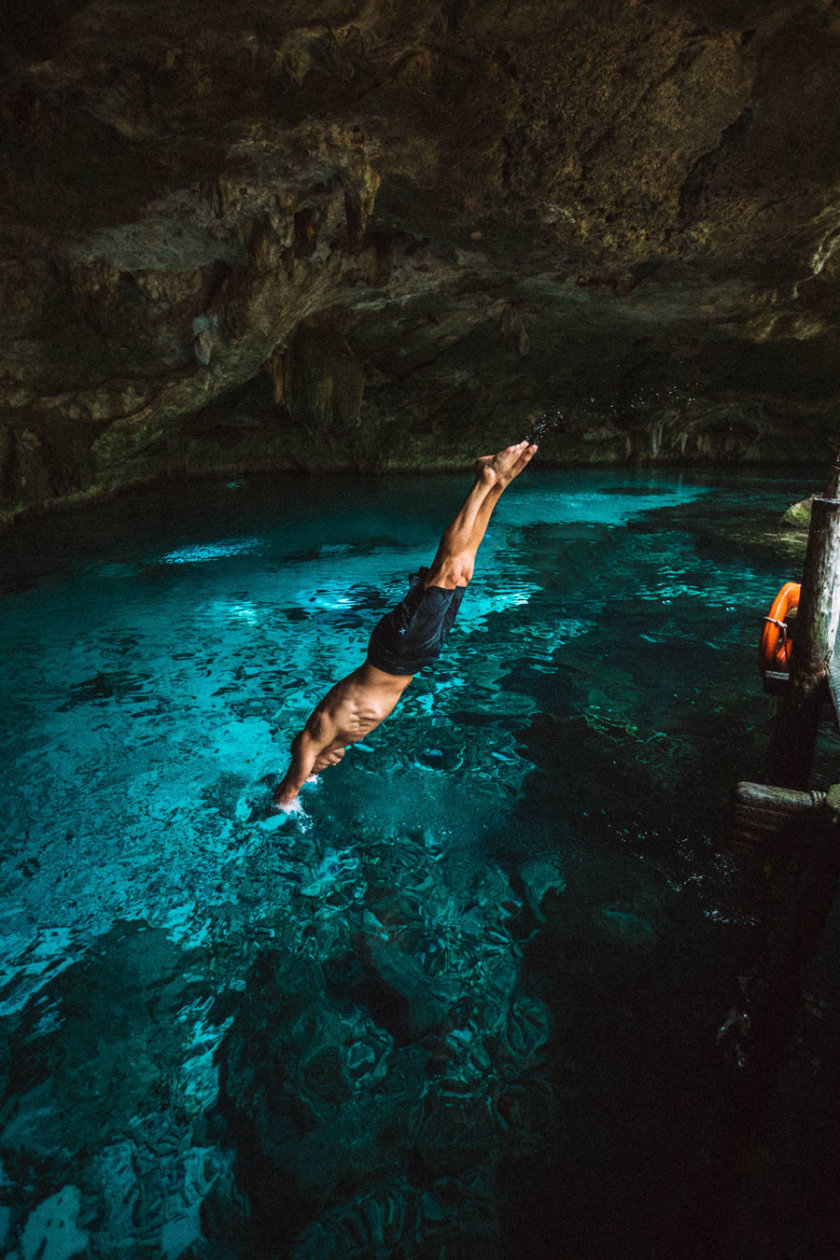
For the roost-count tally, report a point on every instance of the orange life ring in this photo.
(774, 649)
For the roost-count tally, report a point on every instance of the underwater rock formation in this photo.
(353, 234)
(375, 1077)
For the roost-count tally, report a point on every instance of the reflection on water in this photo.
(210, 551)
(462, 1002)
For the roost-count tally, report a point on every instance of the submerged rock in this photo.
(625, 926)
(540, 877)
(400, 1052)
(799, 515)
(52, 1231)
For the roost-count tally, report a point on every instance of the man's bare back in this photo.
(359, 702)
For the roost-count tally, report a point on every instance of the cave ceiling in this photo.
(382, 234)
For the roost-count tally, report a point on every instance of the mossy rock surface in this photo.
(799, 515)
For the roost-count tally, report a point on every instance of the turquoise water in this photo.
(465, 1003)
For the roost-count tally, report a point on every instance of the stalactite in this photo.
(306, 234)
(276, 367)
(323, 381)
(204, 332)
(512, 325)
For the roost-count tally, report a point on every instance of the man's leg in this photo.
(455, 559)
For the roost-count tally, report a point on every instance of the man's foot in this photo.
(501, 469)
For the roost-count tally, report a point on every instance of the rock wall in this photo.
(385, 235)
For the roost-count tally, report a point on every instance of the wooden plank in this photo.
(762, 813)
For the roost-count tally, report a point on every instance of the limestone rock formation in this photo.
(378, 235)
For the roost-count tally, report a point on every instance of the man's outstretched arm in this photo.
(305, 750)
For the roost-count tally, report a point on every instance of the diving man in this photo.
(408, 638)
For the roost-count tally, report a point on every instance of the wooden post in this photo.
(799, 831)
(818, 615)
(799, 928)
(817, 620)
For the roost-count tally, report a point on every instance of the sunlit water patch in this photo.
(212, 551)
(396, 1021)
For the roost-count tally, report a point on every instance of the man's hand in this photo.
(325, 759)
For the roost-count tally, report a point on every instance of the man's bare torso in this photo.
(348, 712)
(354, 706)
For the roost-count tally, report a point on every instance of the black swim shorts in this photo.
(413, 634)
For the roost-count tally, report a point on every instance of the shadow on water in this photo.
(467, 1002)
